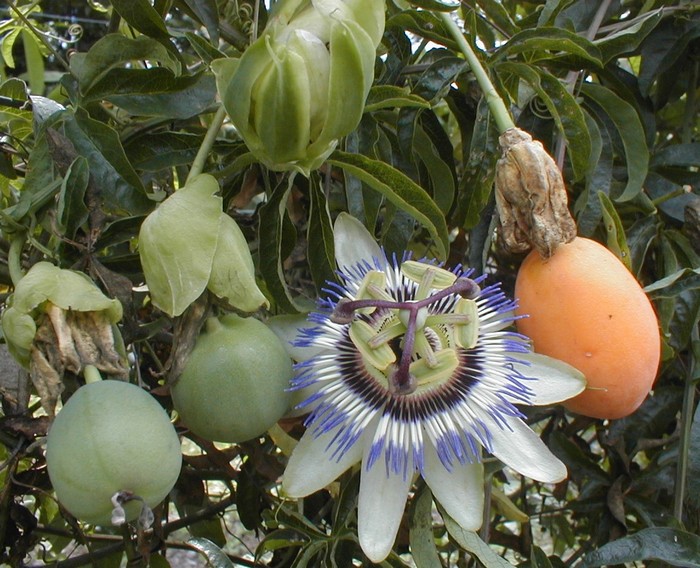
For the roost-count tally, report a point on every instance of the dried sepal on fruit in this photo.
(531, 197)
(58, 320)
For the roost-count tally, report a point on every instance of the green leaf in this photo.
(154, 151)
(121, 189)
(616, 240)
(270, 236)
(424, 24)
(391, 96)
(216, 558)
(142, 16)
(320, 251)
(538, 559)
(441, 175)
(673, 284)
(177, 244)
(438, 5)
(629, 127)
(598, 178)
(471, 542)
(693, 471)
(421, 539)
(6, 45)
(116, 50)
(399, 190)
(155, 92)
(628, 38)
(548, 43)
(565, 111)
(206, 51)
(479, 172)
(34, 60)
(207, 12)
(71, 211)
(673, 546)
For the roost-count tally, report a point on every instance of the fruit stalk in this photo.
(207, 144)
(498, 109)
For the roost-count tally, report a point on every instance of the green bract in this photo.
(188, 244)
(234, 385)
(303, 83)
(45, 285)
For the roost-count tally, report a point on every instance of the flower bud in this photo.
(303, 83)
(531, 197)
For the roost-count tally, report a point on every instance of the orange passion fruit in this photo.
(584, 307)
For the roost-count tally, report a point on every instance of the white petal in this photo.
(353, 243)
(312, 466)
(460, 491)
(556, 380)
(380, 508)
(519, 447)
(286, 328)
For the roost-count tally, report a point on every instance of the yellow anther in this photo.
(372, 287)
(447, 363)
(467, 334)
(361, 333)
(439, 277)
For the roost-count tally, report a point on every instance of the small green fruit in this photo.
(233, 387)
(111, 436)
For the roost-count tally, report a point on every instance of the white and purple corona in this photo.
(412, 371)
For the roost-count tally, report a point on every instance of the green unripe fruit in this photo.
(111, 436)
(233, 387)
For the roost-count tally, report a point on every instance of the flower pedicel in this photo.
(413, 372)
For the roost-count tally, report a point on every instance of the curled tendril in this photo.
(75, 32)
(539, 108)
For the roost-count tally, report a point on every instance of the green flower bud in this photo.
(302, 85)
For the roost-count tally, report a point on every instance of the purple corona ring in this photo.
(410, 370)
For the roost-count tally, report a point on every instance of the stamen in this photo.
(395, 330)
(361, 333)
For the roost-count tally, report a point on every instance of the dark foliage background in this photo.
(610, 88)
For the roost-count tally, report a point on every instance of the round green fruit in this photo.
(111, 436)
(233, 387)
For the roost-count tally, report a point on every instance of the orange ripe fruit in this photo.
(587, 309)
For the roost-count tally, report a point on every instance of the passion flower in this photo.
(303, 83)
(415, 373)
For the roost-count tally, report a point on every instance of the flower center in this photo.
(412, 342)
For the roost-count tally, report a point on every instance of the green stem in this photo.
(686, 425)
(207, 144)
(91, 374)
(670, 195)
(498, 109)
(14, 258)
